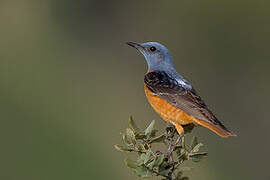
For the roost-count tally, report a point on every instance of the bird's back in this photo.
(179, 102)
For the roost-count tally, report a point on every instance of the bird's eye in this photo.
(152, 48)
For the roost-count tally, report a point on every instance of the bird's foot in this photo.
(170, 131)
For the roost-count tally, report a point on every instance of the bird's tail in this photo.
(218, 129)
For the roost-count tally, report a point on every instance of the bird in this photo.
(171, 95)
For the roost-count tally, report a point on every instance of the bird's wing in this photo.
(162, 85)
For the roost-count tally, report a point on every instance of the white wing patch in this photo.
(184, 83)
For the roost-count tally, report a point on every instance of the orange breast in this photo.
(167, 111)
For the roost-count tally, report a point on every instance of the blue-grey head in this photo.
(157, 56)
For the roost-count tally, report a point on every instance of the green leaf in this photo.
(133, 126)
(159, 160)
(151, 164)
(148, 156)
(131, 164)
(153, 134)
(156, 162)
(164, 172)
(141, 158)
(144, 158)
(197, 147)
(130, 136)
(142, 171)
(141, 147)
(178, 152)
(165, 167)
(157, 139)
(140, 136)
(196, 160)
(150, 128)
(126, 140)
(198, 156)
(181, 155)
(194, 142)
(122, 148)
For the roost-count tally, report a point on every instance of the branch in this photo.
(153, 162)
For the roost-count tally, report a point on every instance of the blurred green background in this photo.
(69, 83)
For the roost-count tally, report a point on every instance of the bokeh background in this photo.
(69, 83)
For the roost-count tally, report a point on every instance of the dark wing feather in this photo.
(162, 85)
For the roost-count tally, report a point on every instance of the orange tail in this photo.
(223, 132)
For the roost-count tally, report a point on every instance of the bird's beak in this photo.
(135, 45)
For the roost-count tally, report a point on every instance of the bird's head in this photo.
(157, 56)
